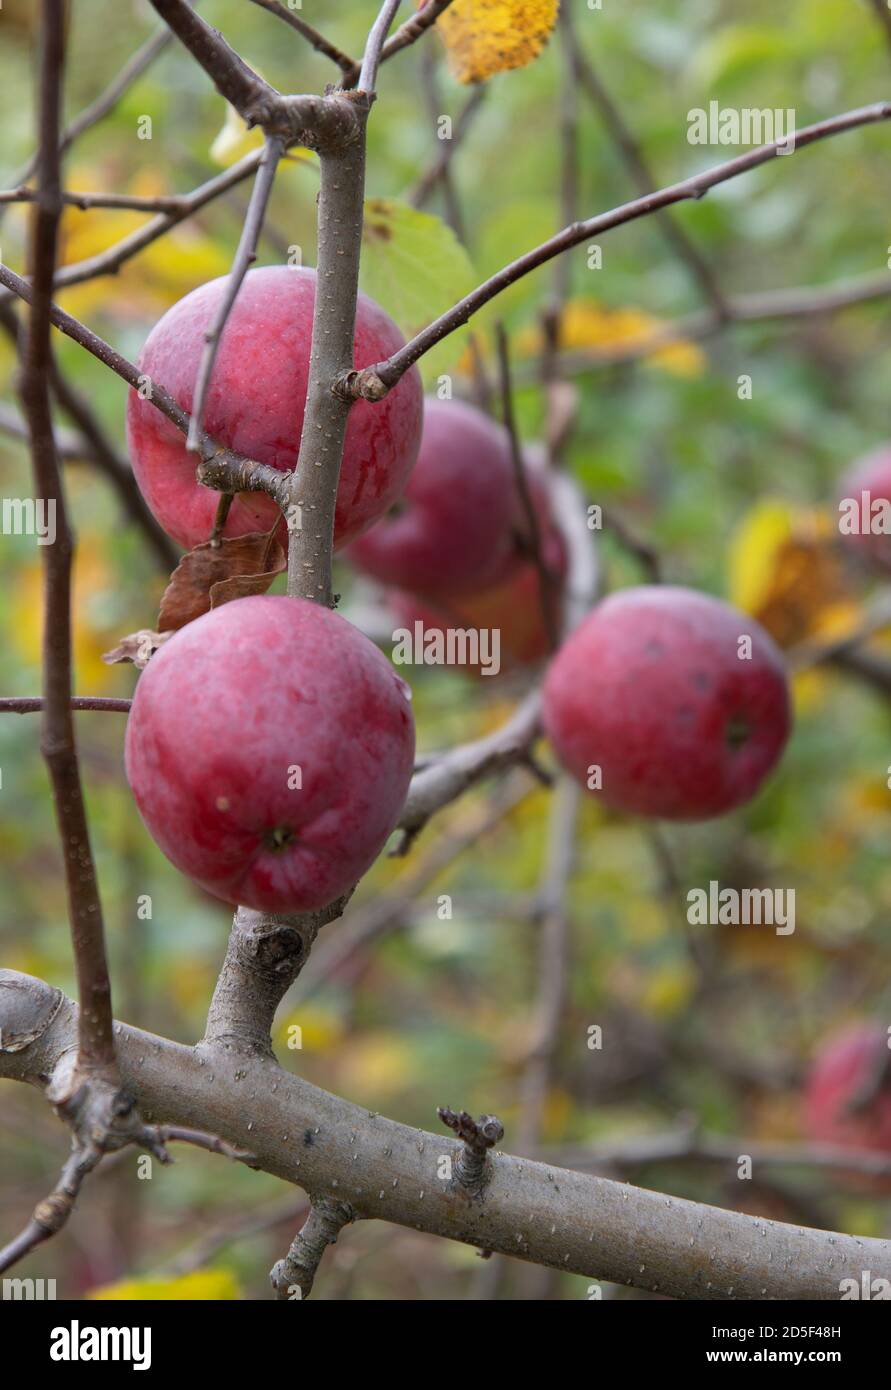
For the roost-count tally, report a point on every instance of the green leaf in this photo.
(415, 267)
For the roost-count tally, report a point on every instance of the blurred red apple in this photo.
(864, 504)
(453, 530)
(847, 1063)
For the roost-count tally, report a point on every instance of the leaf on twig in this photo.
(211, 575)
(416, 268)
(483, 37)
(139, 647)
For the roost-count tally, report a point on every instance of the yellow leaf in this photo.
(784, 569)
(235, 139)
(204, 1285)
(587, 325)
(483, 37)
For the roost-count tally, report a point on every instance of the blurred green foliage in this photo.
(717, 1024)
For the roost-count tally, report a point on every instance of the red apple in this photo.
(513, 607)
(845, 1063)
(653, 689)
(453, 529)
(255, 406)
(867, 485)
(512, 603)
(269, 748)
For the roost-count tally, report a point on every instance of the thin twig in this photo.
(405, 35)
(242, 87)
(221, 468)
(553, 962)
(110, 261)
(373, 382)
(85, 201)
(440, 170)
(32, 704)
(375, 45)
(93, 445)
(318, 41)
(365, 925)
(107, 100)
(547, 586)
(245, 255)
(642, 176)
(883, 14)
(179, 1134)
(96, 1042)
(53, 1212)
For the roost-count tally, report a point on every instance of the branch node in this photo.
(473, 1170)
(364, 385)
(293, 1277)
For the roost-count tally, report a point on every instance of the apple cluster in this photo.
(270, 744)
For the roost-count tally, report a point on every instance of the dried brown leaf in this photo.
(213, 574)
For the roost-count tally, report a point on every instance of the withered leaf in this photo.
(211, 575)
(139, 647)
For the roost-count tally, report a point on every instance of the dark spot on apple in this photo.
(654, 648)
(278, 838)
(737, 731)
(702, 680)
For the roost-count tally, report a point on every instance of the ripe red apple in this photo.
(867, 483)
(269, 748)
(512, 602)
(845, 1064)
(255, 406)
(651, 689)
(453, 529)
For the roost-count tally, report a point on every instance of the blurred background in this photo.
(709, 1032)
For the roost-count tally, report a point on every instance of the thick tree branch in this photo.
(314, 483)
(373, 382)
(252, 97)
(264, 956)
(384, 1170)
